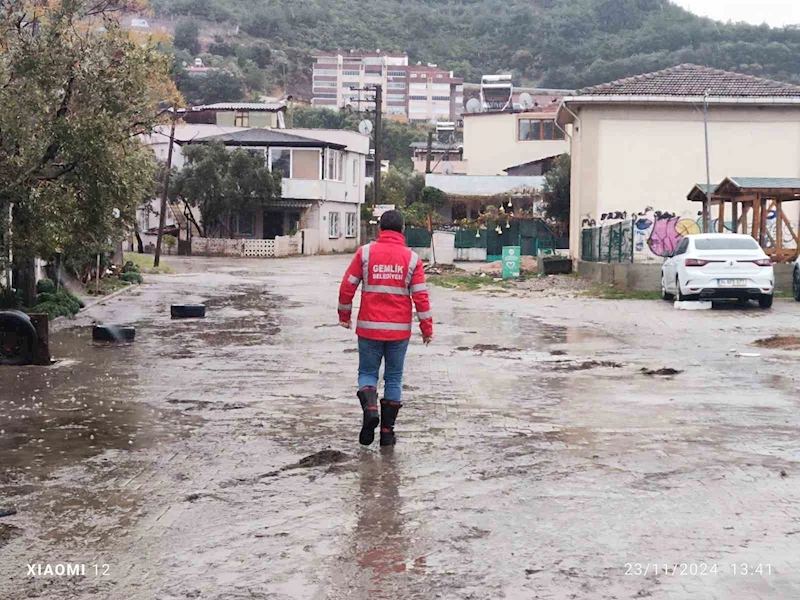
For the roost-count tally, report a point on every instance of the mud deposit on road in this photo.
(780, 342)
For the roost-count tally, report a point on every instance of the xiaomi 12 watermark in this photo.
(68, 570)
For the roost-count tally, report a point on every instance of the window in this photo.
(350, 224)
(319, 95)
(325, 83)
(397, 73)
(682, 247)
(395, 96)
(244, 224)
(334, 227)
(418, 97)
(396, 85)
(447, 98)
(241, 118)
(351, 84)
(335, 165)
(280, 159)
(325, 72)
(724, 243)
(355, 172)
(535, 129)
(351, 72)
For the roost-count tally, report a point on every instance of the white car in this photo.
(718, 265)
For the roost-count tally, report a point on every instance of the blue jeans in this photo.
(370, 355)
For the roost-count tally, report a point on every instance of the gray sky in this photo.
(774, 12)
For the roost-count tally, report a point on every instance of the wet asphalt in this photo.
(535, 458)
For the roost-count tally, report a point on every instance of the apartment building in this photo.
(419, 93)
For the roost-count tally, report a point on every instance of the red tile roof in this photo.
(693, 80)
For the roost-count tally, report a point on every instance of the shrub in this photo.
(130, 267)
(131, 277)
(62, 304)
(46, 286)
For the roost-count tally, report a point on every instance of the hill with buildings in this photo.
(550, 43)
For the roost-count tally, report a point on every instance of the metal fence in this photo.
(609, 243)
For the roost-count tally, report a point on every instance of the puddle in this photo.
(52, 417)
(565, 365)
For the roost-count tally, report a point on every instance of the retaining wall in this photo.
(647, 277)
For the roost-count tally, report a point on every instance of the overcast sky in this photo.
(774, 12)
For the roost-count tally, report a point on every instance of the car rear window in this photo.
(725, 243)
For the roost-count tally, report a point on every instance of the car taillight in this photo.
(762, 262)
(696, 262)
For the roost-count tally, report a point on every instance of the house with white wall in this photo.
(638, 147)
(323, 185)
(498, 140)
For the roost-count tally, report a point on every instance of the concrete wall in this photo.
(647, 277)
(491, 144)
(628, 158)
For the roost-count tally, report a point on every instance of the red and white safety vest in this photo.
(391, 276)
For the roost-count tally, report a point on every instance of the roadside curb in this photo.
(99, 301)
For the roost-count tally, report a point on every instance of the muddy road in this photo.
(542, 453)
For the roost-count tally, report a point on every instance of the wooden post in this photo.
(735, 215)
(162, 220)
(721, 217)
(429, 154)
(763, 202)
(778, 227)
(41, 322)
(376, 186)
(756, 220)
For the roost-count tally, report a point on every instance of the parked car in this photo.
(718, 265)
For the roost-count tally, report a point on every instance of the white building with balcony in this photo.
(322, 188)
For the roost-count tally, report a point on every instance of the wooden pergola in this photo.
(756, 197)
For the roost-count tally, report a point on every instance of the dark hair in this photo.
(392, 220)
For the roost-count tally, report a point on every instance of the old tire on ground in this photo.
(765, 301)
(188, 311)
(19, 342)
(796, 284)
(113, 333)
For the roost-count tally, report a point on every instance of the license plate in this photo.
(732, 282)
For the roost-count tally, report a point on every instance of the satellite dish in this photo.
(473, 105)
(447, 168)
(365, 127)
(526, 100)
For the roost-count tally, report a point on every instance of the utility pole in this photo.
(429, 155)
(162, 219)
(707, 203)
(378, 128)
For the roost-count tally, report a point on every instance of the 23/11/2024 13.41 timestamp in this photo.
(692, 569)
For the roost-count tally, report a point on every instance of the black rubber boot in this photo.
(389, 410)
(369, 404)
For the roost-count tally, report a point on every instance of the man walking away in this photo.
(391, 276)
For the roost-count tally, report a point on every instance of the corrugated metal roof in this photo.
(694, 81)
(254, 106)
(766, 182)
(484, 185)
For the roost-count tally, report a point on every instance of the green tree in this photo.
(187, 36)
(557, 192)
(223, 183)
(216, 86)
(74, 99)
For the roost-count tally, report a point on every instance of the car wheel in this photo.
(665, 295)
(765, 301)
(796, 284)
(678, 293)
